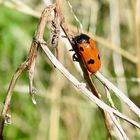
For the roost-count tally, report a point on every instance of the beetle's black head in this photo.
(82, 38)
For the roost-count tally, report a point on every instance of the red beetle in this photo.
(85, 48)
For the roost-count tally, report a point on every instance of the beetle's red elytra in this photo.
(85, 47)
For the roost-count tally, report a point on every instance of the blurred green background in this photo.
(61, 113)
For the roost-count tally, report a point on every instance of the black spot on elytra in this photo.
(98, 56)
(81, 49)
(91, 61)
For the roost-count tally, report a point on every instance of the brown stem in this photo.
(19, 70)
(29, 64)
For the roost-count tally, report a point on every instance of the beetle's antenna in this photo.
(76, 18)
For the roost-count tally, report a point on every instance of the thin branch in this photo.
(117, 124)
(109, 98)
(34, 48)
(18, 72)
(118, 93)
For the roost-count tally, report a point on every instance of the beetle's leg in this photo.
(71, 50)
(75, 57)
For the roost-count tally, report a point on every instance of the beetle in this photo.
(85, 48)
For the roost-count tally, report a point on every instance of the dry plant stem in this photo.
(117, 124)
(94, 91)
(118, 93)
(109, 98)
(56, 29)
(33, 52)
(19, 70)
(83, 89)
(42, 23)
(29, 64)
